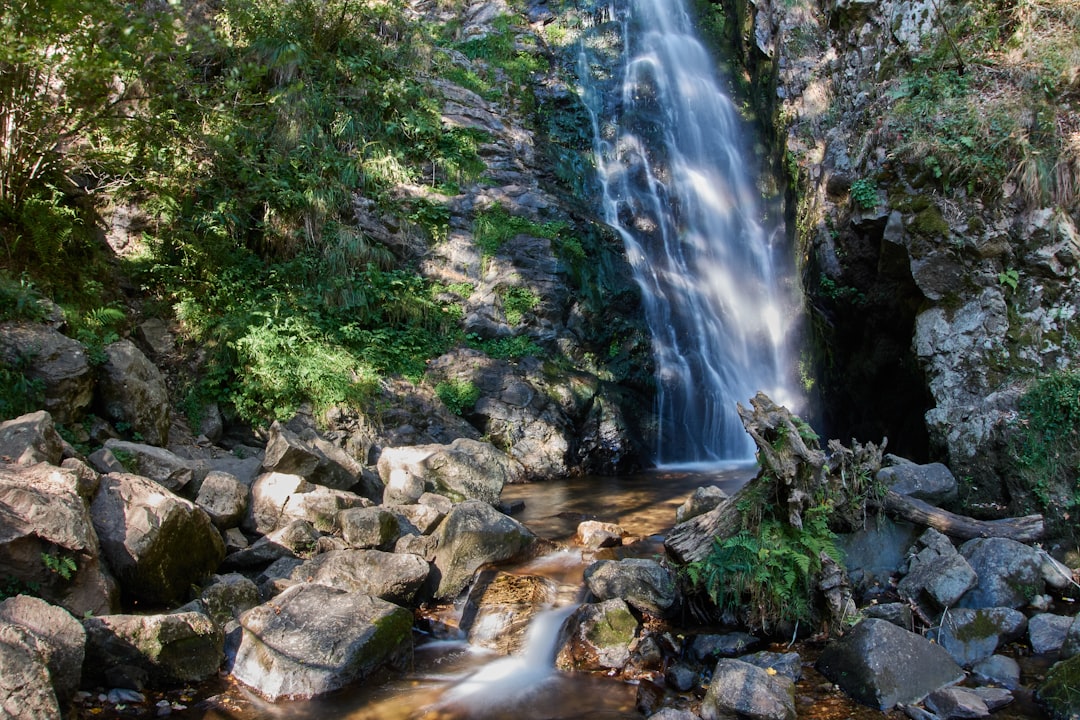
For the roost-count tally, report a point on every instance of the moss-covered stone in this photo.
(929, 223)
(1060, 692)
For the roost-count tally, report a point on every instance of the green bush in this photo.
(516, 302)
(864, 193)
(1046, 444)
(459, 396)
(19, 393)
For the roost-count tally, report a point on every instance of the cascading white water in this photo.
(674, 168)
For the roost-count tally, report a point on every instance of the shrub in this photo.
(459, 396)
(864, 193)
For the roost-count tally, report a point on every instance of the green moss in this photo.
(930, 223)
(981, 626)
(1060, 693)
(617, 628)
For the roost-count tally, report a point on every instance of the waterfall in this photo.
(674, 168)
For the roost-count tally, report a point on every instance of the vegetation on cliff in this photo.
(227, 147)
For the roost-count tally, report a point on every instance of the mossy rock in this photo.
(929, 223)
(1060, 692)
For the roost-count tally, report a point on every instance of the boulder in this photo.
(131, 391)
(788, 664)
(933, 483)
(702, 501)
(747, 691)
(30, 439)
(26, 691)
(159, 545)
(287, 454)
(995, 698)
(1057, 693)
(57, 361)
(709, 647)
(54, 635)
(87, 479)
(938, 572)
(1071, 645)
(882, 665)
(1047, 632)
(171, 471)
(973, 635)
(500, 607)
(312, 639)
(876, 551)
(371, 527)
(463, 470)
(292, 540)
(424, 518)
(597, 637)
(277, 499)
(227, 596)
(645, 584)
(1010, 573)
(999, 670)
(42, 515)
(224, 498)
(158, 650)
(956, 703)
(594, 535)
(897, 613)
(389, 576)
(474, 533)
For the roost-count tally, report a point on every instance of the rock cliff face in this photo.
(941, 267)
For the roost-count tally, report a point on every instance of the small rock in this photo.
(593, 534)
(956, 704)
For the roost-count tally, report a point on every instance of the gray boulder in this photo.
(158, 544)
(473, 534)
(882, 665)
(933, 483)
(973, 635)
(42, 514)
(389, 576)
(368, 528)
(424, 518)
(645, 584)
(788, 664)
(999, 670)
(278, 499)
(877, 551)
(132, 391)
(463, 470)
(593, 535)
(292, 540)
(500, 607)
(1010, 573)
(55, 359)
(938, 572)
(158, 464)
(287, 454)
(31, 439)
(54, 635)
(1047, 632)
(158, 650)
(597, 637)
(709, 647)
(957, 703)
(747, 691)
(26, 691)
(312, 639)
(702, 501)
(224, 498)
(227, 596)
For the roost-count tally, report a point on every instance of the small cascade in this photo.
(674, 170)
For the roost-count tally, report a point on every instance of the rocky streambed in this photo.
(161, 572)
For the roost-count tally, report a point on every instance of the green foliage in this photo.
(828, 288)
(506, 348)
(97, 328)
(1046, 443)
(495, 225)
(19, 392)
(1010, 278)
(502, 53)
(458, 395)
(765, 575)
(516, 302)
(864, 193)
(62, 565)
(20, 300)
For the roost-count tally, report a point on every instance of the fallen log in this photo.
(1028, 528)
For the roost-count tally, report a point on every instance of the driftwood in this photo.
(1028, 528)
